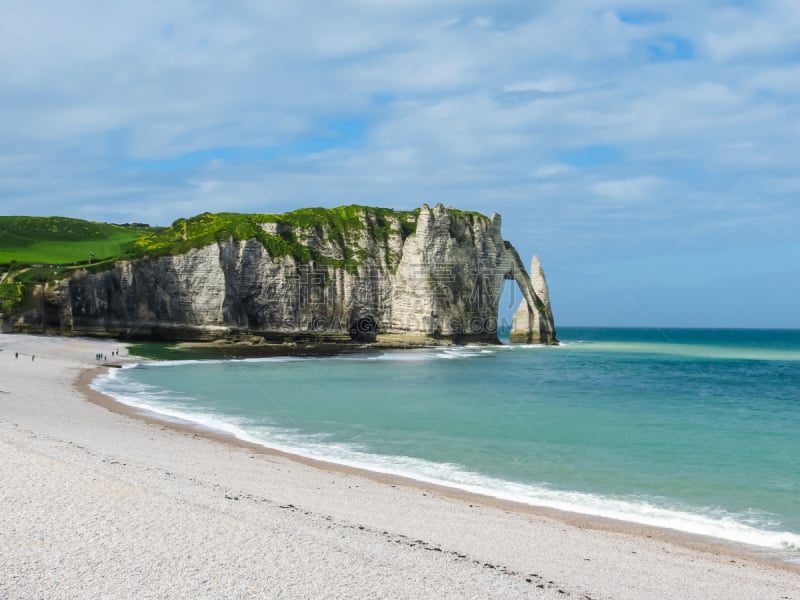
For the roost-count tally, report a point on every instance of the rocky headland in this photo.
(316, 277)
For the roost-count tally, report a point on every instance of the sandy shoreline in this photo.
(168, 511)
(697, 542)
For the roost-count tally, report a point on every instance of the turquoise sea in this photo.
(696, 430)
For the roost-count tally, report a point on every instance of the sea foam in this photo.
(713, 522)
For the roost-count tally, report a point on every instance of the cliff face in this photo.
(443, 280)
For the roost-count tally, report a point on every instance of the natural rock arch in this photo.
(533, 321)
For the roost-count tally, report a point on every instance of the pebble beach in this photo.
(101, 502)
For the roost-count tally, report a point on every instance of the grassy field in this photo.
(59, 240)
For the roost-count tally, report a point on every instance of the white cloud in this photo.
(629, 190)
(552, 85)
(778, 80)
(548, 171)
(752, 35)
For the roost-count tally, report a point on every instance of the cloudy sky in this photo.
(647, 151)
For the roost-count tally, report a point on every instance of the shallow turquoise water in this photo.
(697, 430)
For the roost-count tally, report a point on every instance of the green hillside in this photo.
(39, 249)
(60, 240)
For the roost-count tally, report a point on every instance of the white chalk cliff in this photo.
(441, 280)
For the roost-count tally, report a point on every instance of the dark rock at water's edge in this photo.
(387, 279)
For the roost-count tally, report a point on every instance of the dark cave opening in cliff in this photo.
(364, 329)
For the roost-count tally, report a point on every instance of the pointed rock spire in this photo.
(533, 321)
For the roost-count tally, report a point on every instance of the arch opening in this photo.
(510, 298)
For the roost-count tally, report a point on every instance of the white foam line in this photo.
(219, 361)
(725, 527)
(443, 353)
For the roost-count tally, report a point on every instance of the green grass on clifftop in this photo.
(60, 240)
(33, 249)
(278, 232)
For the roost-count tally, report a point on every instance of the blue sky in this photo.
(647, 151)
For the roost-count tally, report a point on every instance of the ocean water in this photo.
(696, 430)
